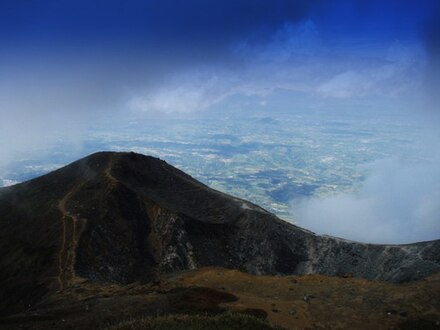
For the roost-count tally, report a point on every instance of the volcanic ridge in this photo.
(128, 218)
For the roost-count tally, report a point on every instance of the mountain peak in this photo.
(125, 217)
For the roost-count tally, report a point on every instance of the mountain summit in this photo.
(126, 217)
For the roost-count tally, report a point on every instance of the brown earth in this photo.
(292, 302)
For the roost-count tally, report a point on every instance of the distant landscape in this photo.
(276, 162)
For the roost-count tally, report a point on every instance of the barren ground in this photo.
(292, 302)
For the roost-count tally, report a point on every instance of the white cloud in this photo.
(397, 203)
(291, 39)
(345, 85)
(188, 92)
(396, 72)
(295, 59)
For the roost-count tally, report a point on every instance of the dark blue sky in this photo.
(185, 56)
(205, 23)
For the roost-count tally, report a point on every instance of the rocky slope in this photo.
(125, 217)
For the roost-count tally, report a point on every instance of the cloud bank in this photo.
(397, 203)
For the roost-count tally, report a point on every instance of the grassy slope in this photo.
(291, 302)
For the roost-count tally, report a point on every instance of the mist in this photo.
(397, 202)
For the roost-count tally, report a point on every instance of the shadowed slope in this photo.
(126, 217)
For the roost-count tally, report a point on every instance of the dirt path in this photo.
(72, 227)
(108, 170)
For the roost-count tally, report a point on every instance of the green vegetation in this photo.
(226, 321)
